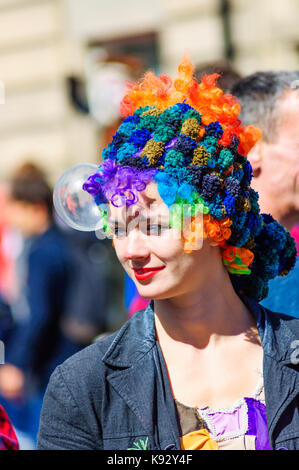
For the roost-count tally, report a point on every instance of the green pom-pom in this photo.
(210, 143)
(143, 109)
(149, 122)
(237, 262)
(126, 128)
(174, 159)
(163, 133)
(171, 114)
(192, 113)
(225, 159)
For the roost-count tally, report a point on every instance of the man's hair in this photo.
(260, 95)
(29, 184)
(228, 75)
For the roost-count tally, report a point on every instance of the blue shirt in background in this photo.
(283, 294)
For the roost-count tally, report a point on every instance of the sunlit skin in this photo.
(204, 329)
(276, 165)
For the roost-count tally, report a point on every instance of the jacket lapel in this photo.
(280, 383)
(136, 386)
(139, 378)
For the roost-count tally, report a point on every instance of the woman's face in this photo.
(152, 253)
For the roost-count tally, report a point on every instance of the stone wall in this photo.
(42, 42)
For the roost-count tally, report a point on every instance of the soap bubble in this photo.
(73, 205)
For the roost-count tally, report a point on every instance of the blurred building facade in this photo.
(44, 45)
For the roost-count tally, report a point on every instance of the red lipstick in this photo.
(146, 273)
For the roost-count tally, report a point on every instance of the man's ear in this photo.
(255, 157)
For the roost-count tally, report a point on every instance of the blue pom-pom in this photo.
(229, 204)
(118, 140)
(238, 174)
(214, 129)
(127, 150)
(167, 192)
(132, 119)
(211, 163)
(184, 107)
(254, 223)
(233, 187)
(185, 144)
(211, 185)
(185, 192)
(139, 137)
(248, 174)
(145, 160)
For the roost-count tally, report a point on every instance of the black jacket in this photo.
(116, 392)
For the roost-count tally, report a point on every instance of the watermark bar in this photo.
(179, 222)
(2, 353)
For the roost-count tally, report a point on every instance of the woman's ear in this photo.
(255, 158)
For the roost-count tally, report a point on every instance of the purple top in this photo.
(243, 426)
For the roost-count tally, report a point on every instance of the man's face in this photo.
(25, 217)
(280, 162)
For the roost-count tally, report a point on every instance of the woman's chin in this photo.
(153, 292)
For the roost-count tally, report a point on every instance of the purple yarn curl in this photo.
(113, 182)
(171, 143)
(93, 184)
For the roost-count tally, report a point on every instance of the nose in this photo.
(137, 246)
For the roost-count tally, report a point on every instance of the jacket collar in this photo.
(139, 369)
(278, 332)
(134, 339)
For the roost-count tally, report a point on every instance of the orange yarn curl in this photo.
(219, 231)
(205, 97)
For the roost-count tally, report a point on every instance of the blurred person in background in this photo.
(87, 308)
(6, 320)
(228, 75)
(295, 233)
(8, 438)
(8, 244)
(270, 101)
(37, 343)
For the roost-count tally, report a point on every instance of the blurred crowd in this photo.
(56, 283)
(54, 291)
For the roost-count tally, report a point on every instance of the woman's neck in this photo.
(203, 317)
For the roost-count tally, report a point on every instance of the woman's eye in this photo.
(119, 232)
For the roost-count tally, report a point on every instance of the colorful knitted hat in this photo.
(186, 137)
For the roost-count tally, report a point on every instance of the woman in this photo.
(203, 366)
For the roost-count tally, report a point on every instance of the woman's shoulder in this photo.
(118, 348)
(280, 334)
(88, 362)
(73, 401)
(280, 320)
